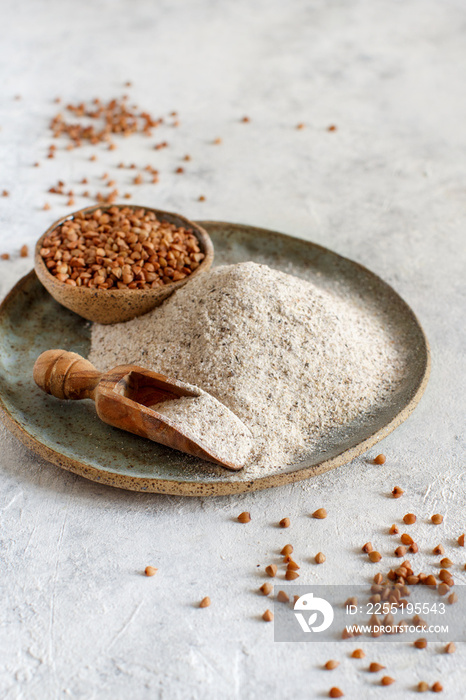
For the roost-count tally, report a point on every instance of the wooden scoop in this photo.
(123, 398)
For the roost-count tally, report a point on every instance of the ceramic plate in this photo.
(70, 435)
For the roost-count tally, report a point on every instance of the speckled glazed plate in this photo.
(70, 435)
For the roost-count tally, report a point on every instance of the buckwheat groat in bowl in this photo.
(112, 263)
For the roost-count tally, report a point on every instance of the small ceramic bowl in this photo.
(116, 305)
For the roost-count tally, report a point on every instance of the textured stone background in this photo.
(387, 189)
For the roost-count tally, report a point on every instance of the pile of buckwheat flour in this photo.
(290, 359)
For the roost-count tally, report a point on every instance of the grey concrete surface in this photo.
(387, 188)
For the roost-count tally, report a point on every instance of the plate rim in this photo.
(221, 488)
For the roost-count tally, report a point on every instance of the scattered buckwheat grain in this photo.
(420, 643)
(409, 519)
(292, 565)
(266, 589)
(387, 680)
(375, 667)
(291, 575)
(406, 539)
(375, 556)
(320, 514)
(358, 654)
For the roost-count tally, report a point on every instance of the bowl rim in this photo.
(200, 233)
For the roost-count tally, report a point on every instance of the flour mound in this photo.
(291, 360)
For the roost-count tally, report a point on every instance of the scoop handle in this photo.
(66, 375)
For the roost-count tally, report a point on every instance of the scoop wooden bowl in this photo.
(124, 398)
(117, 305)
